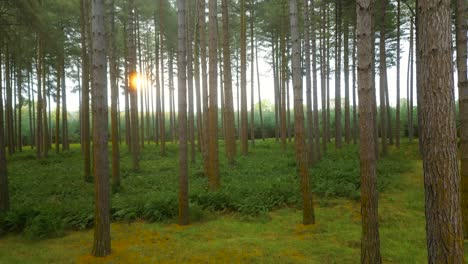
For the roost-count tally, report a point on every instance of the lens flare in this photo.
(136, 81)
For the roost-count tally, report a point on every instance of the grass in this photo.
(235, 225)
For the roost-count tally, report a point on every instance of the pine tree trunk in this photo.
(323, 82)
(162, 120)
(57, 110)
(310, 140)
(299, 130)
(4, 194)
(370, 241)
(243, 73)
(346, 79)
(438, 132)
(213, 176)
(229, 107)
(113, 74)
(85, 138)
(383, 80)
(102, 243)
(338, 132)
(182, 89)
(191, 116)
(65, 142)
(316, 132)
(252, 95)
(202, 32)
(134, 135)
(461, 27)
(398, 135)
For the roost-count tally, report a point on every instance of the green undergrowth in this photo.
(51, 196)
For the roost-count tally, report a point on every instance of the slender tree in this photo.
(461, 27)
(243, 73)
(182, 88)
(310, 140)
(397, 136)
(370, 241)
(252, 95)
(4, 194)
(213, 173)
(229, 107)
(132, 56)
(85, 137)
(438, 133)
(299, 130)
(383, 79)
(338, 130)
(113, 74)
(102, 242)
(191, 114)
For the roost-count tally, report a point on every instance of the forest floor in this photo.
(238, 237)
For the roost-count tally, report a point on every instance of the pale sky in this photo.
(267, 84)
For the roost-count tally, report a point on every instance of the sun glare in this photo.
(136, 81)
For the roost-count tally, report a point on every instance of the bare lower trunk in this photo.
(438, 132)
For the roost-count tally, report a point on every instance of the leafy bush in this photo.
(58, 198)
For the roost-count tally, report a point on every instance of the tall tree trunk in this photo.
(113, 74)
(323, 82)
(30, 106)
(282, 70)
(57, 110)
(411, 79)
(355, 114)
(157, 81)
(102, 243)
(299, 130)
(213, 176)
(20, 105)
(262, 129)
(310, 140)
(162, 120)
(197, 84)
(182, 88)
(338, 132)
(85, 138)
(438, 133)
(202, 32)
(346, 79)
(370, 241)
(171, 96)
(243, 58)
(140, 80)
(252, 94)
(65, 142)
(135, 142)
(397, 135)
(4, 194)
(383, 79)
(191, 117)
(229, 107)
(39, 65)
(316, 132)
(461, 27)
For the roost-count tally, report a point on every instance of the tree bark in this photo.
(213, 174)
(243, 54)
(301, 150)
(383, 80)
(102, 242)
(85, 137)
(461, 27)
(397, 135)
(370, 241)
(4, 191)
(438, 132)
(182, 88)
(229, 107)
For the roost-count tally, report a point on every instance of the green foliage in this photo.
(50, 195)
